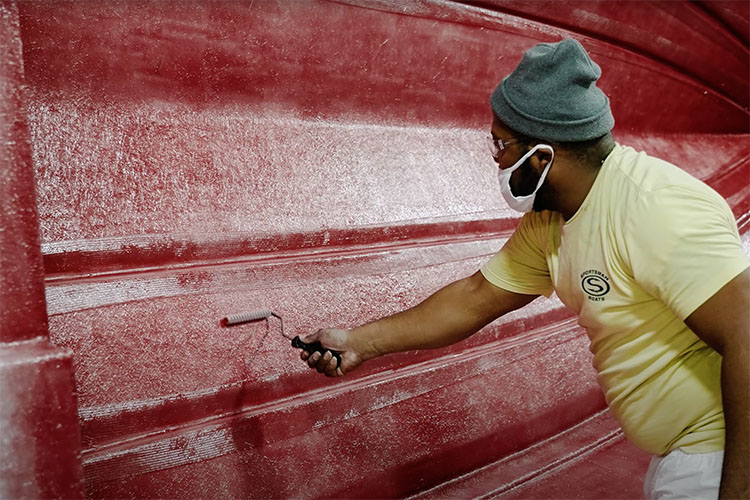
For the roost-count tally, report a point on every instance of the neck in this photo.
(571, 189)
(576, 193)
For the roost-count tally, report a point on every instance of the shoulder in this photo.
(646, 173)
(655, 190)
(536, 228)
(538, 220)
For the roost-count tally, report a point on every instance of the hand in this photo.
(337, 340)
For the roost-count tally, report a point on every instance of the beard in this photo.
(524, 181)
(545, 198)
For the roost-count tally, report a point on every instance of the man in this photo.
(647, 256)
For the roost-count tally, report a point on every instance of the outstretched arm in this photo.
(451, 314)
(723, 322)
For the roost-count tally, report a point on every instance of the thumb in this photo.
(330, 338)
(313, 337)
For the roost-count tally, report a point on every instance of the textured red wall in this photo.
(39, 432)
(23, 315)
(325, 160)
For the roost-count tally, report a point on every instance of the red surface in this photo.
(705, 42)
(23, 315)
(326, 160)
(40, 445)
(40, 441)
(591, 460)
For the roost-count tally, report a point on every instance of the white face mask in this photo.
(522, 204)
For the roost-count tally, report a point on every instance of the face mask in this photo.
(522, 204)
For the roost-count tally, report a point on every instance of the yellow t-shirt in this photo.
(647, 247)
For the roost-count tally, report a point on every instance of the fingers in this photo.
(324, 363)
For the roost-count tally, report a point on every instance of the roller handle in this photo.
(316, 347)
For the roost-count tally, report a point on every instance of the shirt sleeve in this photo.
(684, 246)
(521, 266)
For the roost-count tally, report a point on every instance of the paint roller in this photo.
(238, 319)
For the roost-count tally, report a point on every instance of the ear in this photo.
(540, 159)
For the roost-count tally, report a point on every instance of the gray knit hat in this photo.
(552, 95)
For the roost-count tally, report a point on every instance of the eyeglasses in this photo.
(498, 146)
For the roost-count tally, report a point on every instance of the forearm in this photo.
(450, 315)
(443, 319)
(436, 322)
(735, 482)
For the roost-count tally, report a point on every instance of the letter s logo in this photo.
(595, 286)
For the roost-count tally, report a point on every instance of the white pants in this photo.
(683, 475)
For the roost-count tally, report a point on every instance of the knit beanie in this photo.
(552, 95)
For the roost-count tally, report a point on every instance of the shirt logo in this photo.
(595, 284)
